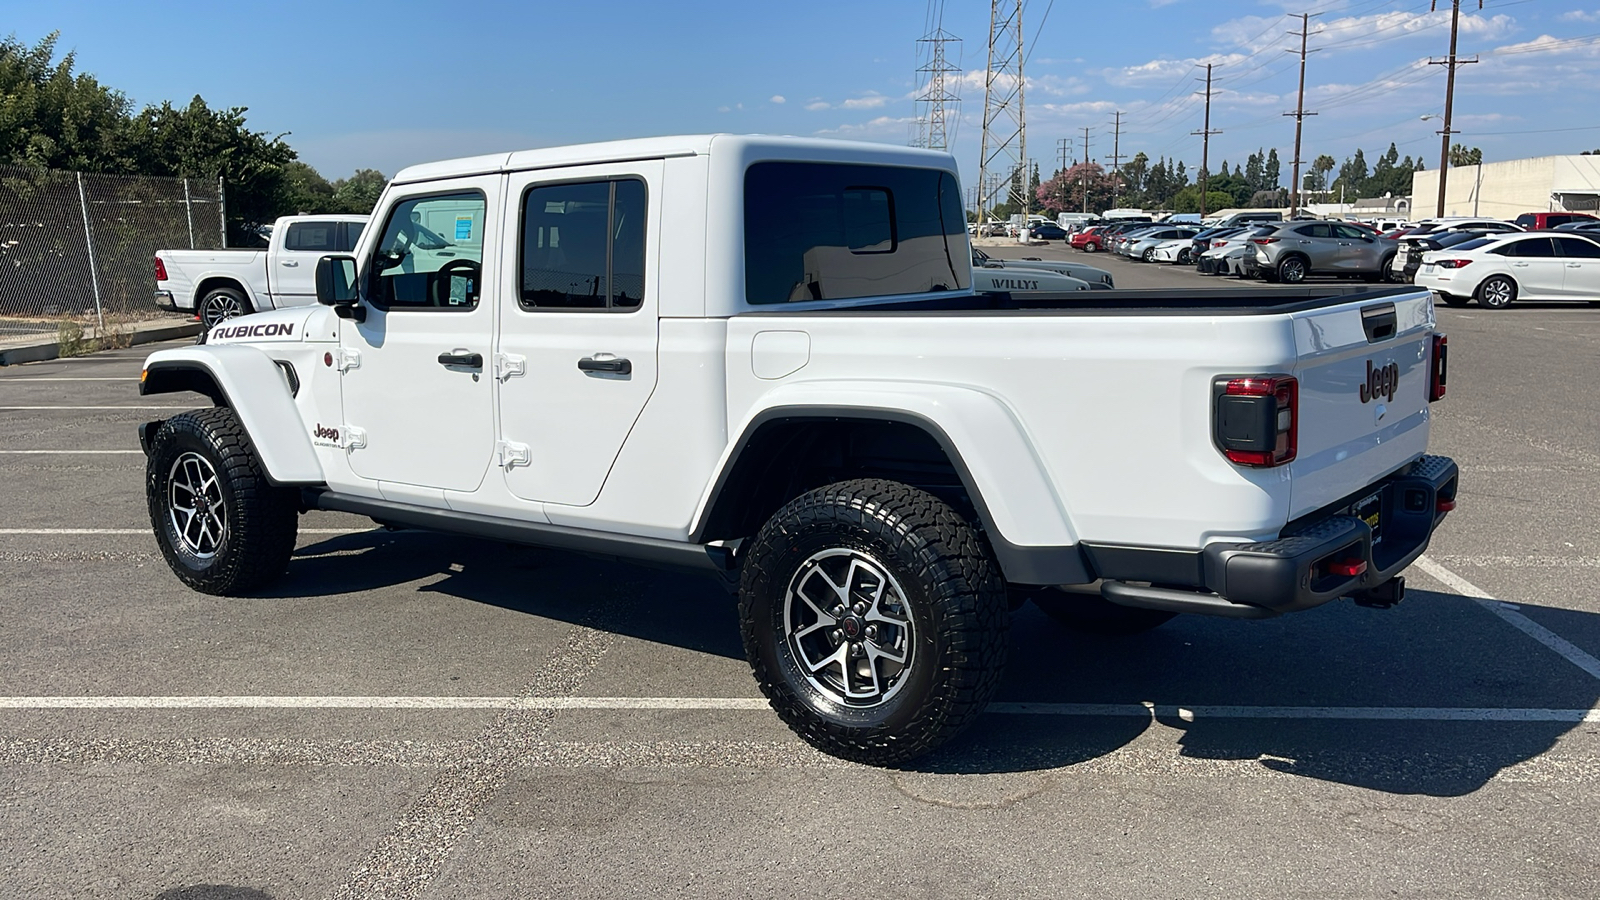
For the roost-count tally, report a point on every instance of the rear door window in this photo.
(350, 235)
(1577, 248)
(822, 231)
(583, 246)
(312, 236)
(1538, 248)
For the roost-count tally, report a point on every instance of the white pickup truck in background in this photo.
(221, 284)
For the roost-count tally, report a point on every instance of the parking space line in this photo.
(72, 531)
(62, 452)
(71, 408)
(1508, 613)
(24, 379)
(1187, 713)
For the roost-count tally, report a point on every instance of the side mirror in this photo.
(336, 281)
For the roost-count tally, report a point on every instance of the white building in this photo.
(1505, 190)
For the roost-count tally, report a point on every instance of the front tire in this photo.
(221, 304)
(874, 619)
(1292, 270)
(222, 526)
(1091, 247)
(1497, 292)
(1185, 257)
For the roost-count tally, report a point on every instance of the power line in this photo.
(1205, 145)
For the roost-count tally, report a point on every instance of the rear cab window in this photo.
(825, 231)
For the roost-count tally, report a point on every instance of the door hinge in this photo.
(511, 454)
(508, 365)
(349, 359)
(354, 438)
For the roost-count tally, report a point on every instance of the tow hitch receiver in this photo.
(1383, 596)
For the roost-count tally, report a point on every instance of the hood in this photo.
(271, 326)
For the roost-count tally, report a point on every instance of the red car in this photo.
(1088, 239)
(1541, 221)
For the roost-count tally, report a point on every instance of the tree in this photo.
(1135, 173)
(1272, 171)
(358, 193)
(1320, 167)
(1188, 200)
(54, 119)
(1255, 171)
(1461, 156)
(1352, 176)
(1064, 192)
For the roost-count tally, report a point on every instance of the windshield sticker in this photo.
(463, 228)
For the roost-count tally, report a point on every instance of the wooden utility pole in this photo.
(1086, 158)
(1116, 162)
(1300, 112)
(1063, 145)
(1205, 145)
(1450, 64)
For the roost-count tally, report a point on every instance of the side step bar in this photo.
(1179, 601)
(715, 560)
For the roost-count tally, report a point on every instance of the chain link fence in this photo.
(77, 247)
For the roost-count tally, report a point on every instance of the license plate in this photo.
(1370, 511)
(1427, 268)
(1400, 257)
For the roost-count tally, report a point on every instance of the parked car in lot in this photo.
(1121, 243)
(221, 284)
(1499, 270)
(1143, 247)
(1462, 223)
(1083, 238)
(795, 391)
(1295, 250)
(1543, 221)
(1227, 253)
(1409, 258)
(1048, 231)
(1098, 279)
(1592, 225)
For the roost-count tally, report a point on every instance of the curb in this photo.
(51, 349)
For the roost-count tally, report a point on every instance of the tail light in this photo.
(1263, 240)
(1453, 263)
(1440, 368)
(161, 270)
(1257, 419)
(1216, 244)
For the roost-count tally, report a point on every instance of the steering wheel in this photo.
(442, 279)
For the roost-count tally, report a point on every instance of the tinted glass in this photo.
(350, 235)
(816, 231)
(431, 254)
(1457, 238)
(1533, 247)
(583, 246)
(1318, 230)
(1474, 244)
(318, 236)
(1526, 220)
(1348, 232)
(1577, 248)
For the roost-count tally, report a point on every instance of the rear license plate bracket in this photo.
(1369, 509)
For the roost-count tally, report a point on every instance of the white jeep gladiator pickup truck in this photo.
(762, 358)
(221, 284)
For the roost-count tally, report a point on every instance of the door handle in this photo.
(291, 263)
(1574, 265)
(610, 366)
(1520, 265)
(461, 358)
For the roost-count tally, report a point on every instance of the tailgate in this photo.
(1364, 370)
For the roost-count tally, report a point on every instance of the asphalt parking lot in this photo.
(418, 716)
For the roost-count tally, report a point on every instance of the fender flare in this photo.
(248, 381)
(1023, 517)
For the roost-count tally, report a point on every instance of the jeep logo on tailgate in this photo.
(1381, 382)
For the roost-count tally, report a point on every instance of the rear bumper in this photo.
(164, 301)
(1329, 554)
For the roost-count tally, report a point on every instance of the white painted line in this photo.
(68, 531)
(173, 408)
(1120, 710)
(1568, 650)
(63, 452)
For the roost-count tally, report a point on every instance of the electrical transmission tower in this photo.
(1205, 133)
(1003, 150)
(1116, 162)
(1452, 63)
(1300, 111)
(936, 79)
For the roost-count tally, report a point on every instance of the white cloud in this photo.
(1157, 4)
(1158, 71)
(881, 126)
(873, 100)
(1362, 32)
(1579, 15)
(778, 98)
(818, 104)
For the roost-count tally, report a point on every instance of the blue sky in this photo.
(384, 85)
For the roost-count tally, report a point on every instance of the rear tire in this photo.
(221, 304)
(1497, 292)
(1453, 300)
(1091, 247)
(844, 579)
(222, 526)
(1149, 254)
